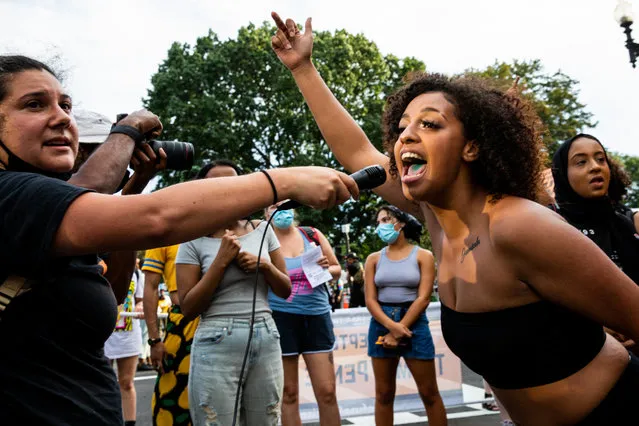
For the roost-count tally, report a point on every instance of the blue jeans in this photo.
(216, 361)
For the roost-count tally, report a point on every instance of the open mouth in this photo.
(58, 143)
(597, 179)
(414, 165)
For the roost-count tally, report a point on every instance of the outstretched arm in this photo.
(200, 207)
(343, 135)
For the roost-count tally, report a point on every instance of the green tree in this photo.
(631, 165)
(555, 96)
(233, 99)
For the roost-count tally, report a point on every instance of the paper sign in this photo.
(315, 274)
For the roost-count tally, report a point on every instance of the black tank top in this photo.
(524, 346)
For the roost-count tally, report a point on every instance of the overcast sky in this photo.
(111, 48)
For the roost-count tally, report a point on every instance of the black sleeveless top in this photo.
(524, 346)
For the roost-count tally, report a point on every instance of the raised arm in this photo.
(343, 135)
(96, 222)
(121, 264)
(104, 169)
(565, 267)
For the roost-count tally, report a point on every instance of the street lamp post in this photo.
(623, 15)
(346, 228)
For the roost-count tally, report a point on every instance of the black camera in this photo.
(179, 155)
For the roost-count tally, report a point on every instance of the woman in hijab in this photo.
(588, 189)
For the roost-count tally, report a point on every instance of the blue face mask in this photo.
(283, 219)
(387, 233)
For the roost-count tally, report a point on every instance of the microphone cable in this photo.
(240, 383)
(367, 178)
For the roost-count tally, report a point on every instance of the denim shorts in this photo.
(420, 346)
(304, 334)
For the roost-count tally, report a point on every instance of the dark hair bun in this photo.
(412, 227)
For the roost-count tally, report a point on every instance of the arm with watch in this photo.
(150, 306)
(103, 172)
(104, 169)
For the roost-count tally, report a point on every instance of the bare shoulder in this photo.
(373, 257)
(425, 255)
(322, 238)
(515, 219)
(320, 233)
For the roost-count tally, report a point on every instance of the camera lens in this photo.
(179, 155)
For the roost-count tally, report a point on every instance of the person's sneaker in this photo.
(490, 406)
(145, 367)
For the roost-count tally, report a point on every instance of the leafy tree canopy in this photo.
(234, 99)
(554, 95)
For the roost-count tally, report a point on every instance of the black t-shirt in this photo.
(52, 365)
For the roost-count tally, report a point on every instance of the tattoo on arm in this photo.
(330, 357)
(466, 251)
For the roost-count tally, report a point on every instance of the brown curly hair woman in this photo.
(524, 295)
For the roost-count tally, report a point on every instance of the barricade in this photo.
(354, 371)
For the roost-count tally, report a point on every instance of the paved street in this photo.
(465, 415)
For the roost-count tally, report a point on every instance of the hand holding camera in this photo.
(179, 155)
(144, 121)
(145, 163)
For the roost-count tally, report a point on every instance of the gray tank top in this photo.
(397, 280)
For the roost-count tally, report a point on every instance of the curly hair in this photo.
(505, 127)
(412, 229)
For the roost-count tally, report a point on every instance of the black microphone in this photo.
(368, 178)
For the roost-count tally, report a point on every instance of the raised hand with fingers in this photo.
(292, 47)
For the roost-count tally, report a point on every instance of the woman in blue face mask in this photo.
(399, 282)
(304, 320)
